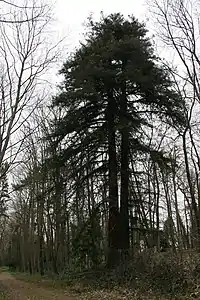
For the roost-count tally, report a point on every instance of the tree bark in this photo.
(113, 238)
(124, 211)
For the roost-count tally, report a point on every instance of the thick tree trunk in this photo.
(124, 211)
(113, 238)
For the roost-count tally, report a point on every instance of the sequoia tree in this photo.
(112, 84)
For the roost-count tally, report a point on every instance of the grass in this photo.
(89, 292)
(71, 287)
(3, 294)
(85, 292)
(157, 276)
(43, 280)
(4, 269)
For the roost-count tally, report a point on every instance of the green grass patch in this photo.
(71, 286)
(147, 276)
(3, 294)
(27, 277)
(4, 269)
(46, 281)
(89, 291)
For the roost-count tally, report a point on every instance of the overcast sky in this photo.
(71, 14)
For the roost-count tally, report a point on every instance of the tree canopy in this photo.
(114, 90)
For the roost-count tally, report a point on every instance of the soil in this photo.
(15, 289)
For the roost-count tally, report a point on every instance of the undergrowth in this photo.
(146, 276)
(3, 293)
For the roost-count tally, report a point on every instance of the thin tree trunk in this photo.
(194, 204)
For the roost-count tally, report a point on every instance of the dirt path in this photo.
(20, 290)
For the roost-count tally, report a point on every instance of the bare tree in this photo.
(177, 26)
(8, 14)
(26, 53)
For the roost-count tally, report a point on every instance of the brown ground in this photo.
(19, 290)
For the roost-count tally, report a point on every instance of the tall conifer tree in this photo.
(112, 84)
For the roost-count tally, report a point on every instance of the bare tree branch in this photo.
(26, 53)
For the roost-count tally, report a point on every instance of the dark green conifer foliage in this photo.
(112, 84)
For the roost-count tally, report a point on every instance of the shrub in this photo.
(166, 273)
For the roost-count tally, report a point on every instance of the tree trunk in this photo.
(194, 204)
(113, 238)
(124, 211)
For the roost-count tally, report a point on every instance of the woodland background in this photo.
(105, 170)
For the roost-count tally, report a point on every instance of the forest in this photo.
(100, 177)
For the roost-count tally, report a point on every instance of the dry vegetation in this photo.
(110, 168)
(149, 276)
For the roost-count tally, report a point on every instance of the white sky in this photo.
(71, 14)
